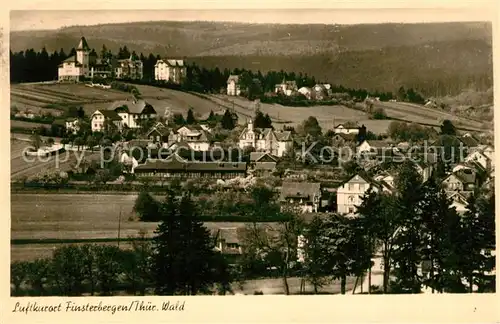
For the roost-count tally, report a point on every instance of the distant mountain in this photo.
(220, 38)
(446, 56)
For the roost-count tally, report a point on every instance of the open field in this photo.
(26, 124)
(74, 216)
(422, 114)
(29, 252)
(41, 96)
(22, 167)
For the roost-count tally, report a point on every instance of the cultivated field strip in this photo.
(26, 124)
(30, 252)
(80, 216)
(426, 115)
(21, 168)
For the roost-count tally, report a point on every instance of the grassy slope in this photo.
(367, 56)
(179, 102)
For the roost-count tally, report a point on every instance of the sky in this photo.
(54, 19)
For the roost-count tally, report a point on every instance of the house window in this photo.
(351, 186)
(361, 187)
(351, 210)
(350, 199)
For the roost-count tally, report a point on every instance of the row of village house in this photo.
(270, 145)
(319, 92)
(86, 65)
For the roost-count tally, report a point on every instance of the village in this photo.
(311, 171)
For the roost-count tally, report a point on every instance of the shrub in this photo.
(379, 113)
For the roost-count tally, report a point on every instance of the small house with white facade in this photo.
(341, 129)
(233, 87)
(306, 196)
(100, 118)
(351, 192)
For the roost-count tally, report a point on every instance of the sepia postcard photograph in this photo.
(247, 152)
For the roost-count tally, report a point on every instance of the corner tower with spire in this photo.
(82, 56)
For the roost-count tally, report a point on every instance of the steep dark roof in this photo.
(176, 165)
(256, 156)
(82, 45)
(469, 141)
(300, 190)
(466, 177)
(133, 106)
(109, 114)
(229, 235)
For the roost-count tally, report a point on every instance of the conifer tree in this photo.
(185, 261)
(190, 120)
(227, 121)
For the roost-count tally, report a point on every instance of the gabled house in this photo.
(195, 136)
(374, 146)
(133, 111)
(425, 169)
(99, 119)
(463, 180)
(233, 87)
(386, 178)
(131, 68)
(341, 129)
(351, 192)
(159, 134)
(470, 140)
(472, 165)
(479, 158)
(266, 140)
(129, 112)
(306, 92)
(459, 201)
(489, 151)
(319, 92)
(227, 240)
(306, 196)
(286, 87)
(262, 163)
(103, 69)
(72, 125)
(170, 70)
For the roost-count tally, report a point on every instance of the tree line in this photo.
(421, 238)
(32, 66)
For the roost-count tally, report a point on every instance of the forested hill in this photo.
(437, 58)
(219, 38)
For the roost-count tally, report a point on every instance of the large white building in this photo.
(170, 70)
(123, 113)
(266, 140)
(76, 67)
(131, 68)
